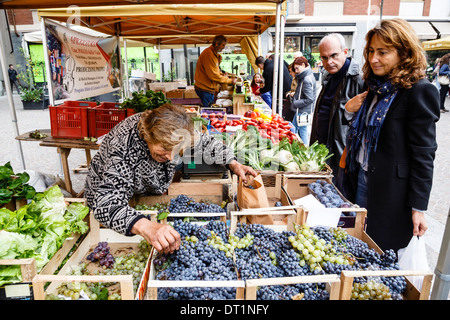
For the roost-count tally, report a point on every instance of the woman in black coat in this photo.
(391, 141)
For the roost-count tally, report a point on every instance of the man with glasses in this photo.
(341, 82)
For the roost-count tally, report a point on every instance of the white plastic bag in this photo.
(414, 257)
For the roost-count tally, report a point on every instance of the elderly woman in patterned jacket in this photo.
(138, 156)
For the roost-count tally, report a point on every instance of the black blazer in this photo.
(400, 172)
(268, 78)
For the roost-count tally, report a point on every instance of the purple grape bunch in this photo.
(102, 255)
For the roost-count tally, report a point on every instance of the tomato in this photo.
(213, 121)
(253, 115)
(274, 125)
(204, 115)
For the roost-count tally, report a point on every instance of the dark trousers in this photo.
(443, 92)
(16, 84)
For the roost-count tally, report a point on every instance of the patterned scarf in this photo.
(385, 92)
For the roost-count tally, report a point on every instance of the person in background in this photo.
(139, 157)
(267, 66)
(305, 94)
(255, 85)
(444, 70)
(298, 54)
(208, 75)
(341, 81)
(392, 135)
(13, 78)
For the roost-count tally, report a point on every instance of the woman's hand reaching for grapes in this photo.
(163, 237)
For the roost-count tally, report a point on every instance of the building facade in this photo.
(307, 21)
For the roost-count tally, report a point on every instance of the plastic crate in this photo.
(70, 119)
(104, 117)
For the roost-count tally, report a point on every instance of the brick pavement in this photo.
(46, 160)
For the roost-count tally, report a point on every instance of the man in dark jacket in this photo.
(341, 82)
(13, 78)
(267, 66)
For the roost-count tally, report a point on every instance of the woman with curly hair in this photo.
(391, 141)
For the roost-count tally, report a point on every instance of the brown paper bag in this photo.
(256, 197)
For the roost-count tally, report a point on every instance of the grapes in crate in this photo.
(102, 255)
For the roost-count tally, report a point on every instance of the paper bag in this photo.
(253, 195)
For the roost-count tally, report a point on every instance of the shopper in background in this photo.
(207, 72)
(255, 85)
(341, 81)
(267, 66)
(298, 54)
(139, 157)
(392, 136)
(305, 95)
(444, 70)
(13, 78)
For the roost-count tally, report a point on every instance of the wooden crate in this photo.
(199, 191)
(125, 282)
(14, 204)
(28, 266)
(177, 94)
(190, 94)
(297, 187)
(153, 285)
(288, 213)
(95, 235)
(411, 293)
(332, 282)
(276, 192)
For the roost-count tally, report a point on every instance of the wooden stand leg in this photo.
(88, 157)
(65, 164)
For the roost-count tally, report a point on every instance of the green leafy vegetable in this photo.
(14, 185)
(38, 230)
(141, 101)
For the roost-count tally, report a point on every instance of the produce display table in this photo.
(63, 147)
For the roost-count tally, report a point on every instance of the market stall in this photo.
(288, 234)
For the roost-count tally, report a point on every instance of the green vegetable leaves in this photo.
(37, 230)
(141, 101)
(260, 153)
(14, 185)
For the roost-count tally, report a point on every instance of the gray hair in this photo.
(339, 37)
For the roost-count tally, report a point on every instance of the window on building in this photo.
(328, 7)
(410, 8)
